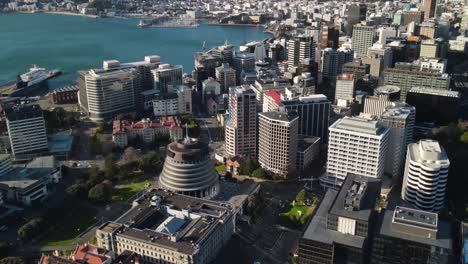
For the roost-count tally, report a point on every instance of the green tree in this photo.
(248, 166)
(99, 193)
(464, 137)
(4, 249)
(301, 195)
(12, 260)
(150, 163)
(31, 229)
(259, 173)
(111, 168)
(95, 175)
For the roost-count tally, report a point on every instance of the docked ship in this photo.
(28, 82)
(143, 23)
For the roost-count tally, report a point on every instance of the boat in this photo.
(143, 23)
(28, 82)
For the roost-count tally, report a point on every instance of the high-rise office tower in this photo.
(344, 55)
(385, 33)
(356, 145)
(429, 102)
(328, 63)
(167, 77)
(407, 235)
(430, 49)
(356, 68)
(260, 52)
(243, 63)
(408, 17)
(188, 169)
(241, 124)
(428, 29)
(208, 62)
(344, 87)
(363, 38)
(379, 58)
(330, 36)
(26, 131)
(225, 52)
(429, 7)
(300, 48)
(426, 174)
(383, 97)
(314, 114)
(407, 79)
(106, 93)
(271, 100)
(277, 142)
(341, 228)
(399, 117)
(355, 13)
(226, 76)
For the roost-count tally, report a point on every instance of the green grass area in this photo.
(221, 169)
(299, 212)
(70, 222)
(124, 192)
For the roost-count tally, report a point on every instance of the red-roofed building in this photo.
(56, 260)
(146, 130)
(271, 100)
(91, 254)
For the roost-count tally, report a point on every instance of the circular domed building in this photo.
(188, 170)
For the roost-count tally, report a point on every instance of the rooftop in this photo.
(387, 89)
(412, 221)
(275, 95)
(363, 123)
(398, 111)
(356, 198)
(170, 220)
(334, 203)
(428, 152)
(317, 228)
(60, 142)
(66, 89)
(305, 143)
(124, 126)
(280, 116)
(438, 92)
(415, 217)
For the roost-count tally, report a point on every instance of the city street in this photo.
(272, 238)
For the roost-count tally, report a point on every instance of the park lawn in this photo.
(71, 222)
(299, 212)
(221, 169)
(124, 192)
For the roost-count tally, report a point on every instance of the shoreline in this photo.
(234, 25)
(64, 13)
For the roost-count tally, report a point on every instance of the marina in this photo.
(169, 22)
(74, 43)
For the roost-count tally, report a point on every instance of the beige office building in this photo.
(277, 143)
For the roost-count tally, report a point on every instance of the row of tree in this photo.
(59, 119)
(454, 139)
(97, 185)
(252, 168)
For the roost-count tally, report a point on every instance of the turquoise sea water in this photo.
(71, 43)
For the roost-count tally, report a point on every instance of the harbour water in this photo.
(73, 43)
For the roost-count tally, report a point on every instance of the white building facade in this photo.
(426, 174)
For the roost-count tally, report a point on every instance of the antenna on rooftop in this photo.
(187, 138)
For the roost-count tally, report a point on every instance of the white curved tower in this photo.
(426, 173)
(188, 170)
